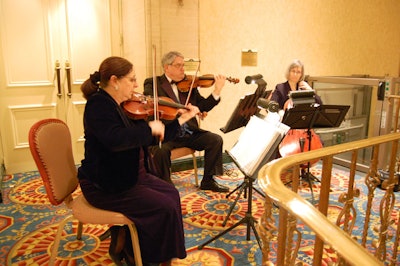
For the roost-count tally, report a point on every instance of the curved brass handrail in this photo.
(270, 181)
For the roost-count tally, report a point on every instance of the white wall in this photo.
(331, 37)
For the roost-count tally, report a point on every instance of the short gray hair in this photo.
(169, 57)
(295, 63)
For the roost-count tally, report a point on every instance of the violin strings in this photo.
(191, 86)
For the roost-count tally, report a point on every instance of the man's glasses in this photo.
(178, 66)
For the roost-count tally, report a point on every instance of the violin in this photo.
(299, 140)
(204, 81)
(141, 107)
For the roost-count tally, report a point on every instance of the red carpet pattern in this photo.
(208, 210)
(34, 248)
(28, 223)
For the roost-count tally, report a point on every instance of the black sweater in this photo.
(113, 142)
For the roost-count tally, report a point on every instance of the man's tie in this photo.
(185, 130)
(175, 89)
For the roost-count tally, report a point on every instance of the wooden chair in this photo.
(184, 151)
(51, 148)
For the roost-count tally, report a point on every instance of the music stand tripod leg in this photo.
(248, 219)
(233, 191)
(259, 192)
(252, 222)
(307, 174)
(242, 187)
(310, 184)
(221, 234)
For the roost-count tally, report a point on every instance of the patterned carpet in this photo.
(28, 224)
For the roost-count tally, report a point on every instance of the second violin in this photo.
(204, 81)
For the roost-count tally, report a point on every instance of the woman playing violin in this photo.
(295, 81)
(191, 135)
(114, 176)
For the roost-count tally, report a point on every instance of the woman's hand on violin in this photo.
(219, 84)
(304, 85)
(157, 128)
(186, 115)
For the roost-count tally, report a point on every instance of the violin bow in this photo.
(191, 85)
(155, 91)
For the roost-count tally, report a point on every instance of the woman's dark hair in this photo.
(113, 65)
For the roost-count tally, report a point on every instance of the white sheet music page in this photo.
(255, 141)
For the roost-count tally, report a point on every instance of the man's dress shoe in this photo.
(214, 186)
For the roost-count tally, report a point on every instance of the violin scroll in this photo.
(233, 80)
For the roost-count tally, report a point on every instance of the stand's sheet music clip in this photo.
(257, 143)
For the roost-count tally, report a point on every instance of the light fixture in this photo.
(253, 79)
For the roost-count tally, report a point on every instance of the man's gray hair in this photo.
(169, 57)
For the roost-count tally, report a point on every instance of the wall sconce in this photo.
(257, 79)
(253, 79)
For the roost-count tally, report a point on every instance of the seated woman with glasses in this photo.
(295, 81)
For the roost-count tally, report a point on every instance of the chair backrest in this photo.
(51, 148)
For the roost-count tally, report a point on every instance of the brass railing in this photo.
(350, 249)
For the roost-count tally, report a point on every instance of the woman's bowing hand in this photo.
(157, 128)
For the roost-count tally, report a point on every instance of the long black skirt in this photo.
(154, 206)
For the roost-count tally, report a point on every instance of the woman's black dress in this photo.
(114, 176)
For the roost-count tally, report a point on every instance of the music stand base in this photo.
(306, 174)
(242, 188)
(248, 219)
(310, 178)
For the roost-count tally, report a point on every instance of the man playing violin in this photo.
(191, 135)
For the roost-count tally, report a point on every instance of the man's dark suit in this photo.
(199, 139)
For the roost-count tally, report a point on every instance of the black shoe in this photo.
(128, 255)
(105, 235)
(117, 244)
(214, 186)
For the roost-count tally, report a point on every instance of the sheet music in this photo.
(256, 141)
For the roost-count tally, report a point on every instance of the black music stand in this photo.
(306, 116)
(249, 167)
(246, 107)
